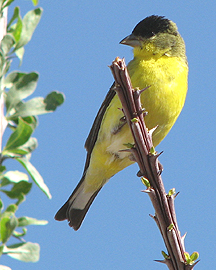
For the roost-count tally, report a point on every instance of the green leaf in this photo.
(31, 120)
(16, 30)
(27, 252)
(20, 234)
(152, 151)
(37, 178)
(25, 221)
(6, 5)
(22, 84)
(53, 100)
(14, 17)
(12, 78)
(4, 64)
(35, 2)
(5, 232)
(1, 204)
(16, 176)
(19, 137)
(129, 145)
(7, 43)
(30, 22)
(1, 251)
(166, 256)
(194, 256)
(2, 61)
(11, 208)
(145, 181)
(20, 199)
(35, 106)
(7, 225)
(13, 153)
(20, 53)
(2, 169)
(24, 149)
(135, 120)
(189, 259)
(170, 227)
(20, 188)
(171, 192)
(39, 105)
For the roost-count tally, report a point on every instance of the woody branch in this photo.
(150, 168)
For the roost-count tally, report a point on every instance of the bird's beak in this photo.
(131, 40)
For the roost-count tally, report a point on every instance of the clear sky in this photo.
(71, 49)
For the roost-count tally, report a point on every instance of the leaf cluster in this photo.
(12, 226)
(20, 117)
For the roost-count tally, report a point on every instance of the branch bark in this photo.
(150, 168)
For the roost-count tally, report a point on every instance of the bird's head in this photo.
(155, 35)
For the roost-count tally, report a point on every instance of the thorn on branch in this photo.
(138, 92)
(152, 216)
(152, 130)
(140, 174)
(176, 194)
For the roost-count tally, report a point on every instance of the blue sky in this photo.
(71, 49)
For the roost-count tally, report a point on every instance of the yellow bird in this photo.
(160, 62)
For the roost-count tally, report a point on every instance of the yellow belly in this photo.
(163, 100)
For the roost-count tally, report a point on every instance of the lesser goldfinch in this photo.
(159, 62)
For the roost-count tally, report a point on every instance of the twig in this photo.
(150, 168)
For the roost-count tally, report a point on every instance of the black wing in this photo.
(93, 134)
(76, 216)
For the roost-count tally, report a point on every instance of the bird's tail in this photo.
(76, 207)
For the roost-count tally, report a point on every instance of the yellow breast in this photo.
(163, 100)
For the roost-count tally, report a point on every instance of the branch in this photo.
(150, 168)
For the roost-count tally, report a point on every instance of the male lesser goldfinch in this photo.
(159, 62)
